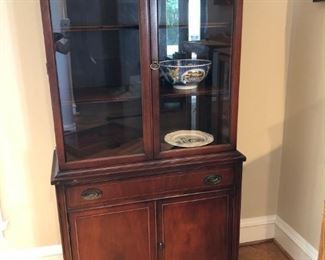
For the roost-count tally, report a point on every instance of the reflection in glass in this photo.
(98, 69)
(172, 20)
(194, 97)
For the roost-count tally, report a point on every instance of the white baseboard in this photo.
(295, 245)
(255, 229)
(251, 229)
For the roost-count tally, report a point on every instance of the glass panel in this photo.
(98, 69)
(195, 38)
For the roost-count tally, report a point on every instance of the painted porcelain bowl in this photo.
(185, 74)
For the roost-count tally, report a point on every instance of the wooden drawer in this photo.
(149, 187)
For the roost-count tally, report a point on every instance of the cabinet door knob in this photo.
(161, 245)
(91, 194)
(155, 65)
(212, 179)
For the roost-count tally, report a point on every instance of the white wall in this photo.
(261, 104)
(26, 131)
(302, 182)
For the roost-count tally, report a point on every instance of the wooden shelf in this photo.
(124, 94)
(215, 43)
(109, 139)
(203, 25)
(95, 28)
(199, 91)
(89, 28)
(106, 95)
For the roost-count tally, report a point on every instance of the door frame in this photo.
(234, 86)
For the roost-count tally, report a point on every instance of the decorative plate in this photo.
(188, 138)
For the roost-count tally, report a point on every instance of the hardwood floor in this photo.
(263, 251)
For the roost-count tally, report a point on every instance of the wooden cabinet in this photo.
(191, 213)
(145, 97)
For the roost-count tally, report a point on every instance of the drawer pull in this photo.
(155, 65)
(91, 194)
(212, 179)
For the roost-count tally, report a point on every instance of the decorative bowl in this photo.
(185, 73)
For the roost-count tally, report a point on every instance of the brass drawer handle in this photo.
(212, 179)
(91, 194)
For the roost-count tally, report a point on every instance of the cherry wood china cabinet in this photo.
(145, 99)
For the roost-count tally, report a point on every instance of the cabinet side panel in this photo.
(51, 64)
(236, 209)
(64, 223)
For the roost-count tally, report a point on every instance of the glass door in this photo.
(193, 53)
(100, 77)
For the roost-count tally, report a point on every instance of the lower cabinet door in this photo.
(195, 228)
(116, 233)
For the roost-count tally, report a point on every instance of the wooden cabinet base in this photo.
(170, 215)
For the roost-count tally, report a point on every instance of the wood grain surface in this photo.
(263, 251)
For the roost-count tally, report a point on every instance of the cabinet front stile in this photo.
(147, 93)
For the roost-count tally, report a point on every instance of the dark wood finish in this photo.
(235, 69)
(203, 25)
(54, 89)
(104, 95)
(136, 201)
(150, 90)
(236, 213)
(179, 186)
(147, 102)
(147, 168)
(125, 232)
(195, 227)
(151, 187)
(104, 141)
(64, 223)
(91, 28)
(234, 82)
(146, 95)
(94, 28)
(200, 91)
(155, 77)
